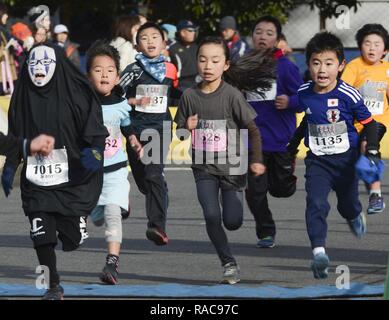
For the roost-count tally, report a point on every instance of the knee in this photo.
(113, 224)
(232, 225)
(212, 218)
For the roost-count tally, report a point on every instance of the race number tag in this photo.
(113, 143)
(158, 96)
(211, 136)
(374, 105)
(325, 139)
(48, 171)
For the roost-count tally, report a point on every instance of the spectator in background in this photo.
(61, 38)
(228, 29)
(39, 34)
(183, 54)
(40, 17)
(8, 46)
(125, 30)
(283, 45)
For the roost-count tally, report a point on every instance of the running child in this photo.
(331, 107)
(148, 83)
(369, 73)
(59, 190)
(215, 112)
(103, 62)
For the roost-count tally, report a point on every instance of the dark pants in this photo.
(150, 180)
(231, 215)
(279, 180)
(323, 174)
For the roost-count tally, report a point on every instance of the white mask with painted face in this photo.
(41, 65)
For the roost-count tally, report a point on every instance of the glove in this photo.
(292, 149)
(92, 158)
(368, 170)
(7, 180)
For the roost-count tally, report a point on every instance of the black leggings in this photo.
(231, 214)
(46, 256)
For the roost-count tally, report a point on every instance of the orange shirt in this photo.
(372, 81)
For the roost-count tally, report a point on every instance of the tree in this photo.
(207, 13)
(328, 9)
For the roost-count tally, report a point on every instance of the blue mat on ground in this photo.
(190, 291)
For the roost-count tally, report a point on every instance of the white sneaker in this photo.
(230, 273)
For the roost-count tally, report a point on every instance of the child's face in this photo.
(211, 62)
(151, 43)
(103, 75)
(265, 35)
(324, 68)
(227, 34)
(373, 49)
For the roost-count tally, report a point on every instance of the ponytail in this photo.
(256, 71)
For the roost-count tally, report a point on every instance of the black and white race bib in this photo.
(48, 171)
(158, 96)
(325, 139)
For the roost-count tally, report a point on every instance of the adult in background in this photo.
(183, 54)
(61, 37)
(125, 30)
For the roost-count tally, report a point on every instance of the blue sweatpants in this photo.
(323, 174)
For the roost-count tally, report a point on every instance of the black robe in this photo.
(10, 145)
(68, 109)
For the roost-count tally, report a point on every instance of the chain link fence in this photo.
(303, 22)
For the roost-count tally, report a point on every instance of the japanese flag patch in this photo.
(332, 102)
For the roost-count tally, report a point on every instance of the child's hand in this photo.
(143, 102)
(257, 168)
(136, 145)
(42, 144)
(282, 102)
(191, 122)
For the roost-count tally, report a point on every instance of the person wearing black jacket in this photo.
(60, 190)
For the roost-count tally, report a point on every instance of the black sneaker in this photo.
(55, 293)
(109, 274)
(157, 236)
(124, 213)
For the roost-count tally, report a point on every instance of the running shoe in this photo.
(230, 273)
(110, 274)
(358, 225)
(376, 204)
(319, 266)
(158, 236)
(55, 293)
(266, 242)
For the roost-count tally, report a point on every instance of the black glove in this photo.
(374, 156)
(292, 149)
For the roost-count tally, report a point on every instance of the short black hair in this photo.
(272, 20)
(214, 40)
(102, 48)
(149, 25)
(372, 28)
(324, 41)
